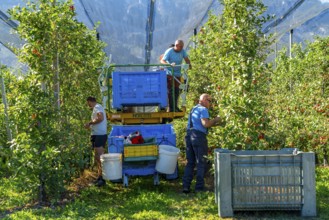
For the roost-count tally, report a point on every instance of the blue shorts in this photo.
(98, 140)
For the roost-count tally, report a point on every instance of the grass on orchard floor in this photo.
(140, 200)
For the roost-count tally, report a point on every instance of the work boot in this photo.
(98, 178)
(186, 190)
(100, 182)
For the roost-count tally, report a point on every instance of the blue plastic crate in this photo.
(139, 89)
(115, 144)
(139, 169)
(164, 133)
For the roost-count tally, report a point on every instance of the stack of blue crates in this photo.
(164, 134)
(139, 89)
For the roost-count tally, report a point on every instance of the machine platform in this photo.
(124, 90)
(144, 117)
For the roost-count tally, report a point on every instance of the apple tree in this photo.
(229, 63)
(299, 98)
(50, 144)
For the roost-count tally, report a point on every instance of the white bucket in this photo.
(111, 166)
(167, 161)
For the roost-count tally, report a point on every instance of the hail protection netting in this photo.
(137, 32)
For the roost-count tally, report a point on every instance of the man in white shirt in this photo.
(98, 127)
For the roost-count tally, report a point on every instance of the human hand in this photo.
(220, 121)
(185, 66)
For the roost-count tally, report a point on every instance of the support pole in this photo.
(4, 100)
(291, 42)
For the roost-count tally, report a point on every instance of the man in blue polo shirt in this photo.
(197, 144)
(174, 56)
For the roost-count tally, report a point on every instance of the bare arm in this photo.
(163, 61)
(207, 123)
(187, 60)
(99, 118)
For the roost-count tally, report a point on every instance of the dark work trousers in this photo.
(173, 101)
(196, 151)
